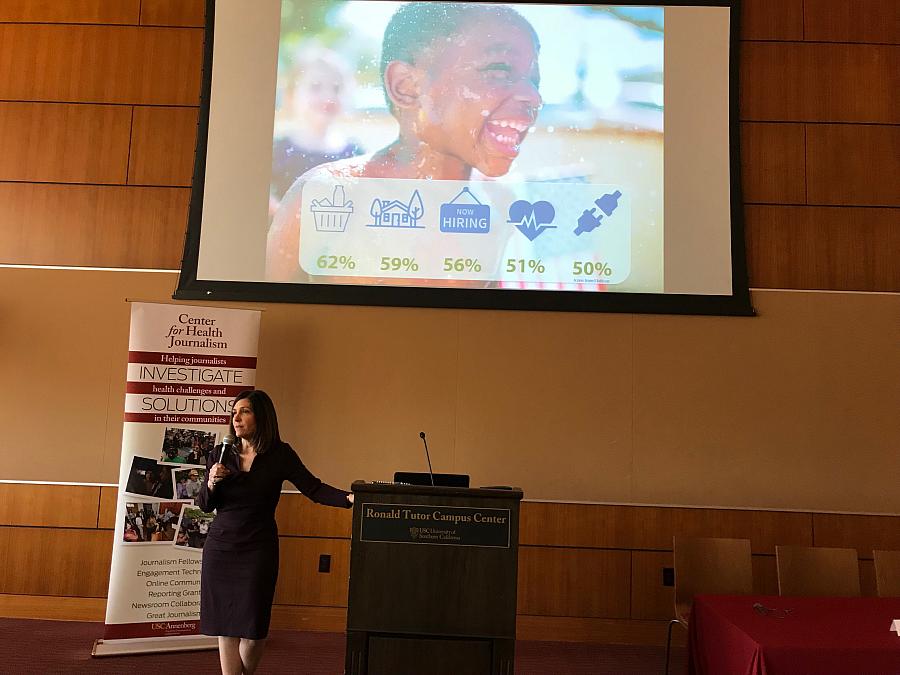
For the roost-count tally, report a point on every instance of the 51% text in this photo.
(525, 265)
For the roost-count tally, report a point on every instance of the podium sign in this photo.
(440, 525)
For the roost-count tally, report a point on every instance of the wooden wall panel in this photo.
(764, 529)
(574, 582)
(63, 142)
(556, 524)
(52, 607)
(315, 619)
(772, 20)
(92, 225)
(851, 249)
(873, 21)
(109, 503)
(602, 631)
(162, 146)
(852, 164)
(142, 227)
(70, 11)
(299, 579)
(652, 528)
(773, 163)
(298, 516)
(48, 505)
(819, 82)
(45, 561)
(864, 533)
(173, 12)
(100, 64)
(649, 598)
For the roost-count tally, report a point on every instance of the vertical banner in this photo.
(185, 365)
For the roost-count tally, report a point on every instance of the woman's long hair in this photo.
(266, 420)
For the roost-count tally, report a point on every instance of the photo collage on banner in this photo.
(185, 366)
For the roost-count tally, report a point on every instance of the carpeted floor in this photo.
(57, 647)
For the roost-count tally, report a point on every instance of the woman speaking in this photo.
(240, 556)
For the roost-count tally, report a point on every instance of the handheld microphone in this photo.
(427, 456)
(227, 444)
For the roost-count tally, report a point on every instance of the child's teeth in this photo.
(504, 124)
(507, 131)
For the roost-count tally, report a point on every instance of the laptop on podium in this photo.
(424, 478)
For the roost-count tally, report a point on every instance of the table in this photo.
(793, 636)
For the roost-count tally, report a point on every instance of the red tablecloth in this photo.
(818, 636)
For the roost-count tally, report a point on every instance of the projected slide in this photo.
(469, 145)
(469, 154)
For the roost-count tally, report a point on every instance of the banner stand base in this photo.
(153, 645)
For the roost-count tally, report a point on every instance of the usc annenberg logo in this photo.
(168, 626)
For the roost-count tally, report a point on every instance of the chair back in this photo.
(817, 571)
(887, 574)
(713, 566)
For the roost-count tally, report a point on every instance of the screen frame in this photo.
(737, 304)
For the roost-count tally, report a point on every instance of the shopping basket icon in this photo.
(334, 214)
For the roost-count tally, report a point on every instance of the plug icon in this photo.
(590, 219)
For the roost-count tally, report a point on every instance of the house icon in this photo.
(394, 213)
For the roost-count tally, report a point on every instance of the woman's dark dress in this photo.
(240, 556)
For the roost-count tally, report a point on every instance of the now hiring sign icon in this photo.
(464, 214)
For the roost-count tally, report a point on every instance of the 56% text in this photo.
(462, 265)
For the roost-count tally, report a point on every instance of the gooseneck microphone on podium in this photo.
(427, 456)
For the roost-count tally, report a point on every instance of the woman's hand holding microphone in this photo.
(216, 473)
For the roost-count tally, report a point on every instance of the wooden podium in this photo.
(432, 580)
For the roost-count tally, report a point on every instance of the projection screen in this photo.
(518, 156)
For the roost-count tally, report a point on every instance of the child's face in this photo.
(480, 94)
(319, 91)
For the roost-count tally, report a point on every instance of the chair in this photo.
(714, 566)
(817, 571)
(887, 574)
